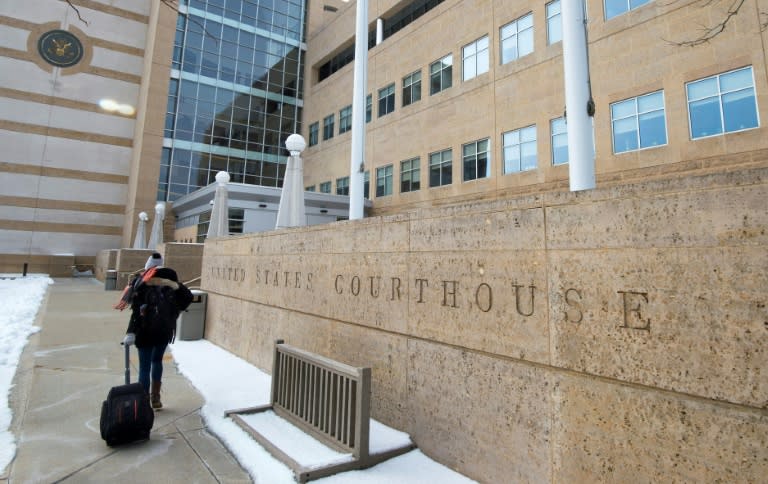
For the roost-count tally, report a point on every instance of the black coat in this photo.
(146, 335)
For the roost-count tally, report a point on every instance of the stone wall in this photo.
(614, 335)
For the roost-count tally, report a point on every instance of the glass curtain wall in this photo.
(235, 93)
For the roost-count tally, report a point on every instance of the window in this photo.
(722, 104)
(554, 23)
(325, 187)
(476, 162)
(342, 186)
(384, 181)
(310, 188)
(475, 58)
(386, 100)
(559, 143)
(440, 74)
(345, 119)
(520, 150)
(328, 127)
(517, 39)
(618, 7)
(440, 165)
(236, 220)
(412, 88)
(367, 184)
(410, 175)
(314, 129)
(639, 123)
(368, 108)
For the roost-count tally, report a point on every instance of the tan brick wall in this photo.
(630, 55)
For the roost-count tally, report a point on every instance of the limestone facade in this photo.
(614, 335)
(630, 55)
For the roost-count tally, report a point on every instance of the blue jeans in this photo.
(151, 363)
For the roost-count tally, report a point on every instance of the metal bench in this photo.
(326, 399)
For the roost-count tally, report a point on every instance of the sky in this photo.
(203, 364)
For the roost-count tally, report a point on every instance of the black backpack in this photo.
(160, 311)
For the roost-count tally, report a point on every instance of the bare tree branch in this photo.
(710, 32)
(76, 11)
(172, 4)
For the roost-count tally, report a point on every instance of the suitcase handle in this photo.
(127, 363)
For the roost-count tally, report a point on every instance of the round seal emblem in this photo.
(60, 48)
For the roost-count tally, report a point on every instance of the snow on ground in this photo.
(226, 382)
(20, 299)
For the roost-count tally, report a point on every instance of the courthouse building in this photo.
(466, 101)
(110, 106)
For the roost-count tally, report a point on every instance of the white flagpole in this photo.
(581, 150)
(357, 158)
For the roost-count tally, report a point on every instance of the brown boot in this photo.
(154, 395)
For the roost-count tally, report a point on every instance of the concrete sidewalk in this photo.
(65, 373)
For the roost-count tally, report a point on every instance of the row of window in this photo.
(516, 41)
(723, 103)
(416, 9)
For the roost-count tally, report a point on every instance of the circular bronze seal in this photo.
(60, 48)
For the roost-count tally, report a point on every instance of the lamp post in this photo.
(291, 212)
(357, 158)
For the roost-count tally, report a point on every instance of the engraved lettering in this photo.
(276, 281)
(355, 286)
(489, 304)
(266, 276)
(632, 316)
(395, 288)
(309, 281)
(451, 293)
(297, 283)
(258, 276)
(339, 289)
(287, 274)
(574, 314)
(421, 283)
(375, 293)
(517, 299)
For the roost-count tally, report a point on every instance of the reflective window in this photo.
(517, 39)
(722, 104)
(368, 107)
(314, 131)
(476, 160)
(386, 100)
(554, 22)
(384, 181)
(440, 168)
(325, 187)
(639, 123)
(345, 119)
(234, 95)
(559, 141)
(618, 7)
(440, 74)
(328, 127)
(410, 175)
(520, 150)
(342, 186)
(475, 58)
(411, 88)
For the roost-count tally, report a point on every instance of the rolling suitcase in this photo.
(126, 414)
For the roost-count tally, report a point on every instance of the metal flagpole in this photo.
(579, 106)
(357, 158)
